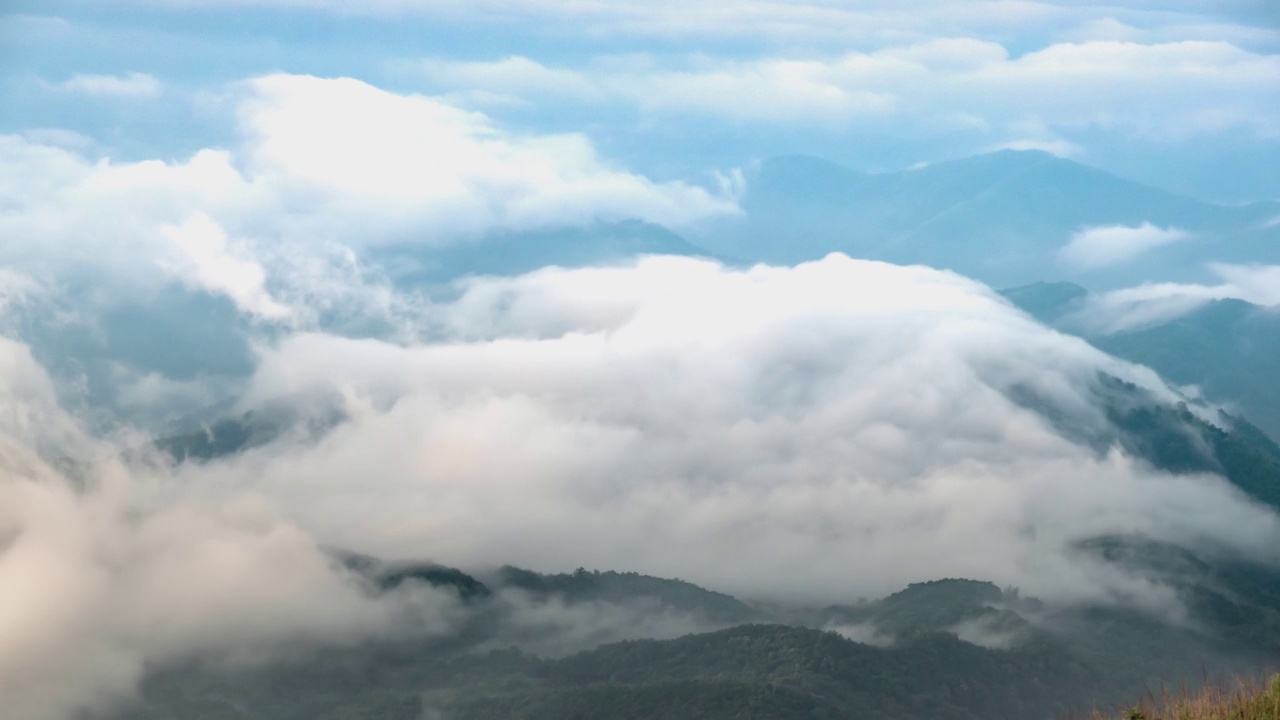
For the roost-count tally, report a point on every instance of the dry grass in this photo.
(1246, 700)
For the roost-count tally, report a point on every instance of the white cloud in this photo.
(813, 21)
(1054, 146)
(802, 91)
(1154, 303)
(323, 164)
(65, 208)
(415, 167)
(1106, 29)
(15, 289)
(209, 266)
(1183, 88)
(865, 633)
(129, 86)
(59, 137)
(1168, 90)
(777, 90)
(117, 570)
(512, 75)
(1258, 284)
(746, 430)
(1108, 245)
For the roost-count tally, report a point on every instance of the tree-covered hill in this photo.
(1228, 349)
(930, 664)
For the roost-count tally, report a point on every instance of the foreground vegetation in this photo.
(761, 667)
(1246, 700)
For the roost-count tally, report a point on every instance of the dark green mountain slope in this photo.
(1229, 349)
(617, 587)
(747, 671)
(777, 671)
(303, 419)
(940, 606)
(1047, 659)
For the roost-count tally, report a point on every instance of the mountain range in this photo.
(1002, 218)
(954, 649)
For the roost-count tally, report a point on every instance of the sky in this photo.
(191, 192)
(1177, 94)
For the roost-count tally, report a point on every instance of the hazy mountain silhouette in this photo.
(1000, 217)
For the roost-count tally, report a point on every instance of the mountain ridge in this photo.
(1000, 217)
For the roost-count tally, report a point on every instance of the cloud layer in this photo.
(1168, 90)
(816, 433)
(827, 431)
(108, 572)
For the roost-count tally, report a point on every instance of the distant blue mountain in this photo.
(516, 253)
(1000, 217)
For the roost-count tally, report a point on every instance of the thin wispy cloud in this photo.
(1097, 247)
(1173, 89)
(1153, 303)
(129, 86)
(788, 22)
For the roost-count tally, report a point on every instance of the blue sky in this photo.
(1178, 94)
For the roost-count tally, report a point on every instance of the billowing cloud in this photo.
(828, 431)
(1097, 247)
(209, 265)
(420, 169)
(324, 166)
(822, 432)
(107, 573)
(129, 86)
